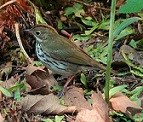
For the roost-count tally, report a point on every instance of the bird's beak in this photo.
(28, 31)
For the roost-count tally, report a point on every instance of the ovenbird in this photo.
(59, 54)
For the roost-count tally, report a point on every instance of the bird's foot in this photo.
(69, 79)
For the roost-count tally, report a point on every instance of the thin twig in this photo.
(7, 3)
(20, 43)
(22, 15)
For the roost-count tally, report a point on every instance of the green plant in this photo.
(83, 80)
(116, 89)
(13, 91)
(16, 90)
(136, 5)
(76, 9)
(5, 91)
(56, 119)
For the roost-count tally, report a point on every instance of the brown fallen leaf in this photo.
(31, 69)
(10, 82)
(45, 105)
(1, 118)
(37, 85)
(89, 116)
(120, 102)
(39, 80)
(134, 111)
(99, 112)
(75, 97)
(100, 105)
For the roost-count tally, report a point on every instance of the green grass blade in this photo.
(124, 24)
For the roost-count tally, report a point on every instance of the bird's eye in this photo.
(38, 33)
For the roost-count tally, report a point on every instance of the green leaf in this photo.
(59, 118)
(83, 80)
(88, 22)
(136, 92)
(81, 37)
(131, 6)
(88, 18)
(79, 13)
(138, 117)
(125, 32)
(104, 25)
(17, 95)
(17, 86)
(116, 89)
(47, 120)
(124, 24)
(69, 11)
(39, 18)
(5, 92)
(78, 6)
(136, 72)
(103, 54)
(57, 88)
(37, 63)
(77, 9)
(88, 32)
(140, 44)
(60, 24)
(133, 43)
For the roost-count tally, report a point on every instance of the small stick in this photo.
(20, 43)
(7, 3)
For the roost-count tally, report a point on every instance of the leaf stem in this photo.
(110, 43)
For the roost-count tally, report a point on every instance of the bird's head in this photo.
(43, 33)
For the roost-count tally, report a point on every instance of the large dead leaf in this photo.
(122, 103)
(45, 105)
(87, 113)
(38, 86)
(75, 97)
(100, 105)
(99, 112)
(39, 80)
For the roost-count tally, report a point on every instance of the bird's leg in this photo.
(69, 79)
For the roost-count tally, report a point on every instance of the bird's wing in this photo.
(67, 51)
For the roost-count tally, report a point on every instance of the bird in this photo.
(59, 54)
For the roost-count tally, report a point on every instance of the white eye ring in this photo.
(38, 33)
